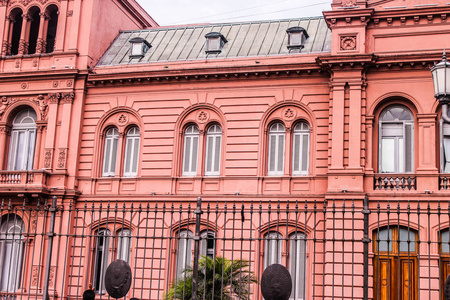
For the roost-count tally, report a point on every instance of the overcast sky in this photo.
(176, 12)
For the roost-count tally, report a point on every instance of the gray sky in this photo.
(176, 12)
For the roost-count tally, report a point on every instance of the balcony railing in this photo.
(24, 178)
(395, 182)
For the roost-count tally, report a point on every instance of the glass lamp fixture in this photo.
(441, 81)
(139, 47)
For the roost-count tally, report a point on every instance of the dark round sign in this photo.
(118, 278)
(447, 288)
(88, 295)
(276, 283)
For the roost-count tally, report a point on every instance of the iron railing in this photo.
(335, 249)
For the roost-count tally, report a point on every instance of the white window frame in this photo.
(23, 141)
(101, 259)
(213, 150)
(206, 248)
(11, 252)
(131, 161)
(298, 265)
(111, 145)
(399, 155)
(300, 135)
(190, 151)
(277, 137)
(123, 244)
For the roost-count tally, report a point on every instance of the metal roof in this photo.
(248, 39)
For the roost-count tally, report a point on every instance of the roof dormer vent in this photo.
(296, 37)
(139, 47)
(215, 42)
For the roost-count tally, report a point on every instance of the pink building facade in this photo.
(314, 142)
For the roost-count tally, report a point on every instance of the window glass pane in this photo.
(305, 152)
(403, 236)
(101, 259)
(21, 151)
(187, 154)
(387, 155)
(217, 154)
(209, 153)
(400, 151)
(184, 252)
(135, 155)
(107, 157)
(409, 148)
(11, 252)
(297, 265)
(31, 139)
(385, 240)
(272, 149)
(273, 244)
(207, 244)
(194, 154)
(296, 153)
(280, 154)
(123, 244)
(445, 241)
(114, 155)
(128, 153)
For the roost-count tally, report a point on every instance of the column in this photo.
(40, 47)
(369, 143)
(337, 126)
(287, 150)
(4, 132)
(23, 44)
(6, 47)
(354, 155)
(63, 144)
(37, 149)
(49, 145)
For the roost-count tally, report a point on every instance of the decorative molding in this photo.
(122, 119)
(68, 97)
(35, 275)
(43, 106)
(51, 278)
(62, 158)
(24, 85)
(4, 104)
(17, 63)
(348, 42)
(54, 98)
(48, 158)
(26, 2)
(289, 114)
(69, 83)
(202, 116)
(3, 2)
(55, 83)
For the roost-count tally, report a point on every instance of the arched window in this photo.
(444, 254)
(11, 252)
(297, 264)
(102, 244)
(110, 152)
(300, 149)
(190, 156)
(395, 262)
(23, 139)
(396, 145)
(34, 29)
(16, 30)
(184, 252)
(277, 135)
(213, 149)
(130, 166)
(52, 13)
(124, 244)
(208, 243)
(275, 244)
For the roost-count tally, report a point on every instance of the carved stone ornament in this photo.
(35, 276)
(68, 97)
(51, 278)
(3, 105)
(48, 159)
(26, 2)
(43, 106)
(122, 119)
(276, 283)
(348, 42)
(3, 2)
(202, 116)
(348, 3)
(289, 114)
(62, 158)
(54, 98)
(118, 279)
(24, 85)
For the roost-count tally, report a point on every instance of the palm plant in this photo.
(218, 279)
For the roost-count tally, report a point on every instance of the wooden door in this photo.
(395, 278)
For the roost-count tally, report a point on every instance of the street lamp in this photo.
(441, 81)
